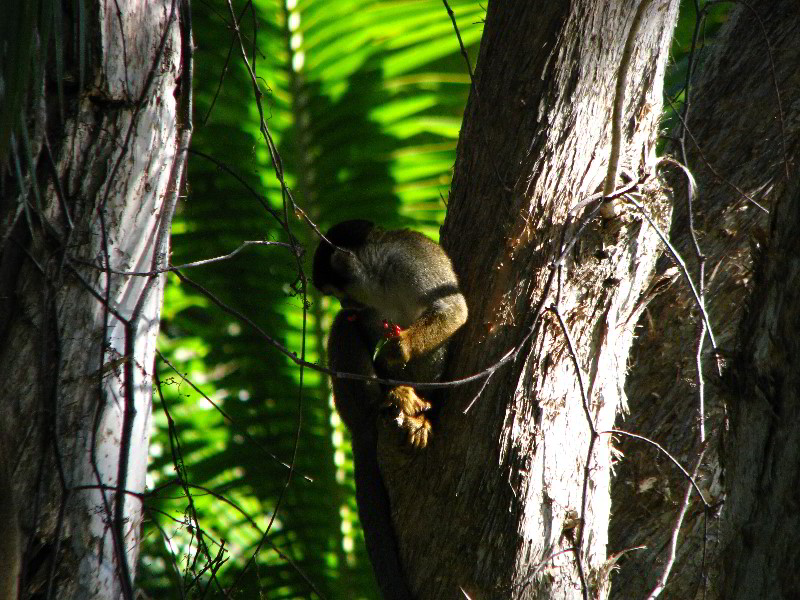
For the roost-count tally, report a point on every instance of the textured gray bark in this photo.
(77, 340)
(499, 493)
(752, 461)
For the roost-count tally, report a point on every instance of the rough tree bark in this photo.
(77, 339)
(500, 494)
(744, 125)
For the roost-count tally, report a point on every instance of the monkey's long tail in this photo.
(376, 518)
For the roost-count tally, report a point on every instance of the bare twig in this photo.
(460, 42)
(240, 428)
(287, 197)
(691, 188)
(716, 173)
(682, 265)
(588, 463)
(664, 451)
(676, 529)
(474, 89)
(196, 263)
(772, 71)
(178, 464)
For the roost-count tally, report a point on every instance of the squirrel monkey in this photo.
(400, 289)
(400, 306)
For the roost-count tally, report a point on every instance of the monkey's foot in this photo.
(418, 430)
(408, 413)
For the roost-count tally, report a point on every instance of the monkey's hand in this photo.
(397, 350)
(407, 410)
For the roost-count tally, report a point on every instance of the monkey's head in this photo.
(336, 265)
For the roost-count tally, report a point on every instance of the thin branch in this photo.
(698, 359)
(287, 197)
(460, 42)
(587, 464)
(676, 529)
(540, 307)
(197, 263)
(677, 258)
(701, 278)
(224, 167)
(168, 543)
(514, 352)
(700, 16)
(178, 464)
(714, 172)
(578, 371)
(240, 428)
(781, 119)
(474, 89)
(509, 355)
(663, 451)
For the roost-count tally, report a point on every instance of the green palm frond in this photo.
(364, 100)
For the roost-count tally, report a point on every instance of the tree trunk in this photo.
(514, 468)
(78, 337)
(745, 137)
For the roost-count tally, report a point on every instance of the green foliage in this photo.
(364, 101)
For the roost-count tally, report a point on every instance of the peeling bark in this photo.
(78, 339)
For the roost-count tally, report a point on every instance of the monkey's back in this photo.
(409, 274)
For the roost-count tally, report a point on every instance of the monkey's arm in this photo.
(357, 402)
(423, 278)
(431, 330)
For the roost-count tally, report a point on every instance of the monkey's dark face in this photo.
(330, 276)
